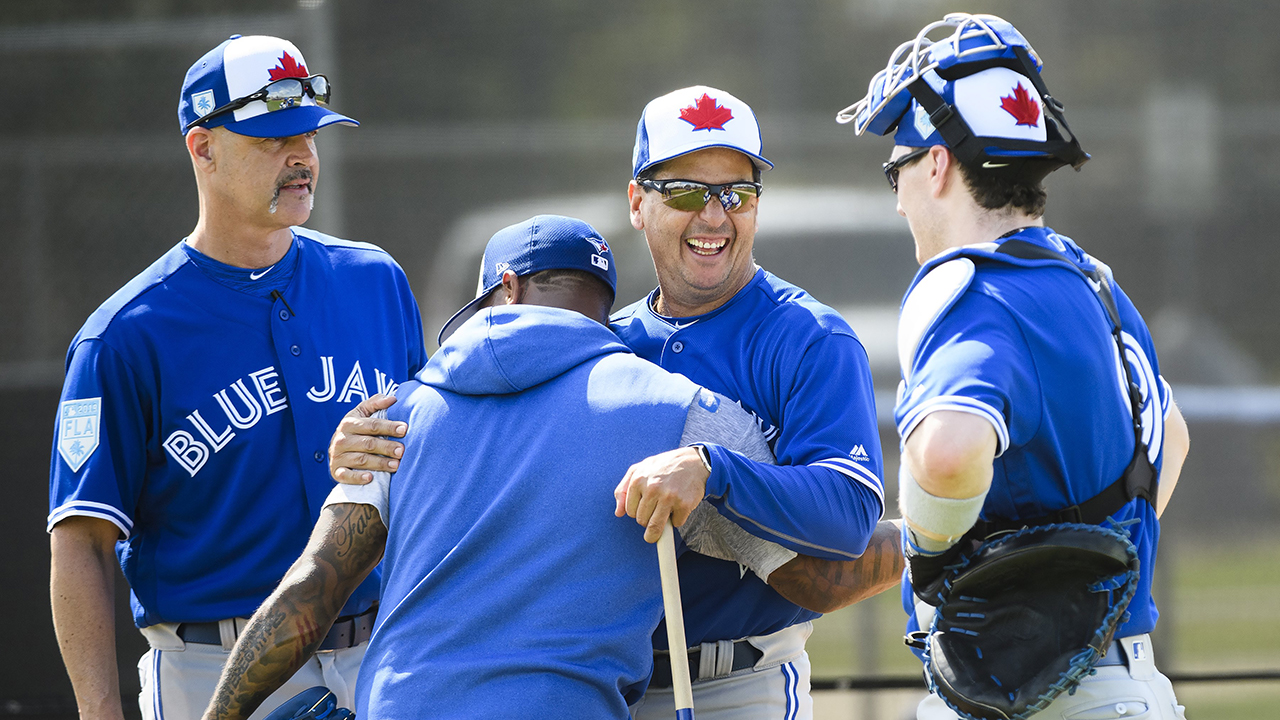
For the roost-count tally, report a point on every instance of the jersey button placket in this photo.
(295, 350)
(319, 456)
(284, 314)
(677, 347)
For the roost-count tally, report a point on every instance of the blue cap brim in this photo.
(287, 123)
(756, 160)
(463, 315)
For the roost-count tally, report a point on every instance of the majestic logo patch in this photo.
(859, 453)
(705, 114)
(1024, 109)
(78, 424)
(202, 103)
(599, 244)
(288, 68)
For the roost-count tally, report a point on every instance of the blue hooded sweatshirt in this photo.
(509, 588)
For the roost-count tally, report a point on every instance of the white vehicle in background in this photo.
(847, 246)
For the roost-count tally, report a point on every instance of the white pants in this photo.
(776, 688)
(1136, 692)
(178, 679)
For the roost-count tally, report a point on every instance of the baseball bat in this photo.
(680, 683)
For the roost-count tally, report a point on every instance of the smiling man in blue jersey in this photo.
(792, 362)
(200, 398)
(1016, 409)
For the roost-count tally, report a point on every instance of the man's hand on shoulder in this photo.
(359, 446)
(669, 484)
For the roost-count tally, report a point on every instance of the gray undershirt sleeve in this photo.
(715, 419)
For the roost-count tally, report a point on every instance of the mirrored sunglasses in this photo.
(278, 95)
(693, 196)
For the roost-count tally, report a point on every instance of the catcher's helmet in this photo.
(979, 92)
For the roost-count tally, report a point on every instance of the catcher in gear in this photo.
(1040, 443)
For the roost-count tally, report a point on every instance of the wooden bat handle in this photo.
(680, 683)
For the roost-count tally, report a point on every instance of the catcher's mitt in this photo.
(1026, 616)
(317, 703)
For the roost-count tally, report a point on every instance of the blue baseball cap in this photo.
(543, 242)
(692, 119)
(239, 67)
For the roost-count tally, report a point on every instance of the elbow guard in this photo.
(933, 523)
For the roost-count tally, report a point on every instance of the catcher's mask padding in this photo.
(1027, 616)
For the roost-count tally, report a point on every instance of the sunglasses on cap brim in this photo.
(278, 95)
(693, 196)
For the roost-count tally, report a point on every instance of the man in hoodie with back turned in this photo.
(509, 586)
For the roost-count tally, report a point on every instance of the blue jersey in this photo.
(197, 418)
(1027, 346)
(508, 582)
(797, 366)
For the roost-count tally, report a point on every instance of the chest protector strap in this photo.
(1139, 479)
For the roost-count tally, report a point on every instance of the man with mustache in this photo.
(199, 400)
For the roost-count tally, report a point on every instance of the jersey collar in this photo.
(680, 323)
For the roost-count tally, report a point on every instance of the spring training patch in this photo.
(79, 422)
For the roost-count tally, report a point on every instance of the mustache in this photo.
(294, 176)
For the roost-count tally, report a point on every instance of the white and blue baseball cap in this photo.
(240, 67)
(692, 119)
(543, 242)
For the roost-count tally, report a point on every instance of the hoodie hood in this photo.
(511, 348)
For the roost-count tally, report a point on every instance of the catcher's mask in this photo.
(977, 91)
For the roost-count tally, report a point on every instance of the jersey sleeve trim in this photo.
(854, 471)
(88, 508)
(957, 403)
(793, 540)
(1168, 397)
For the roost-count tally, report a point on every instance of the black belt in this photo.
(347, 631)
(745, 655)
(1116, 655)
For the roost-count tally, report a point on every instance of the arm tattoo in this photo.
(827, 585)
(345, 546)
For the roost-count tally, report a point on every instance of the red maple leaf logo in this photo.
(1021, 106)
(704, 114)
(288, 68)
